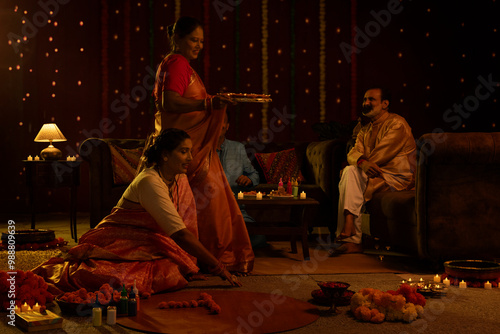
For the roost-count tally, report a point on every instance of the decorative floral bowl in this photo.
(472, 269)
(333, 289)
(320, 298)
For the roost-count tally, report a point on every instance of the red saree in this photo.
(127, 245)
(221, 226)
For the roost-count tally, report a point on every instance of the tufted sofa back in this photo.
(458, 207)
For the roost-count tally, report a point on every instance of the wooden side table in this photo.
(294, 226)
(53, 174)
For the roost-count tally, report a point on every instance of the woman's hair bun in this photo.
(167, 141)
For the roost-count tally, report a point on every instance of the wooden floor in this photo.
(275, 259)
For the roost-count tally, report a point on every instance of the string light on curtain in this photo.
(322, 61)
(265, 71)
(177, 9)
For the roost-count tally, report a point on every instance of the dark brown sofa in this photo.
(454, 213)
(320, 165)
(104, 194)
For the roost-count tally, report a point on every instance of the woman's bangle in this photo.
(218, 269)
(360, 161)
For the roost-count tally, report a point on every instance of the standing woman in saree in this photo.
(182, 102)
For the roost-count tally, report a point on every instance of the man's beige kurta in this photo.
(393, 151)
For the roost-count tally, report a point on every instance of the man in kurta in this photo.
(382, 159)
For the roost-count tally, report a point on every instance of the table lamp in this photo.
(50, 133)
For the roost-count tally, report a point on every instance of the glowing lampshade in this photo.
(50, 133)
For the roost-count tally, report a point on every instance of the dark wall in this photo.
(90, 69)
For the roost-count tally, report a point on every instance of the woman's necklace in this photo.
(168, 183)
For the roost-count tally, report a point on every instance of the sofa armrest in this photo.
(104, 194)
(458, 177)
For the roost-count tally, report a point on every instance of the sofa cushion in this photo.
(279, 165)
(124, 162)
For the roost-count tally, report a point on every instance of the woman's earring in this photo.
(165, 159)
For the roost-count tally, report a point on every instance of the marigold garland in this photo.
(292, 69)
(126, 56)
(151, 50)
(104, 59)
(205, 300)
(177, 9)
(322, 61)
(265, 71)
(29, 288)
(354, 67)
(206, 44)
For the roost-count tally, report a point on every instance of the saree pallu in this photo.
(127, 245)
(221, 226)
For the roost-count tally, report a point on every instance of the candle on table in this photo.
(17, 309)
(437, 279)
(259, 195)
(240, 195)
(30, 158)
(36, 308)
(73, 158)
(487, 285)
(302, 195)
(446, 282)
(37, 158)
(68, 158)
(409, 280)
(24, 307)
(462, 285)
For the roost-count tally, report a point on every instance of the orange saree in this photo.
(127, 245)
(221, 226)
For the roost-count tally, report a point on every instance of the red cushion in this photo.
(278, 165)
(125, 162)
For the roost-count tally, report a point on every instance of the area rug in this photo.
(240, 312)
(275, 259)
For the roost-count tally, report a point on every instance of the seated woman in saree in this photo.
(150, 236)
(182, 102)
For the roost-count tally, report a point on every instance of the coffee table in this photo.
(294, 226)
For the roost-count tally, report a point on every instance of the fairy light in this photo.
(272, 56)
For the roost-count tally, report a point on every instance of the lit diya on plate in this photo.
(334, 291)
(247, 97)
